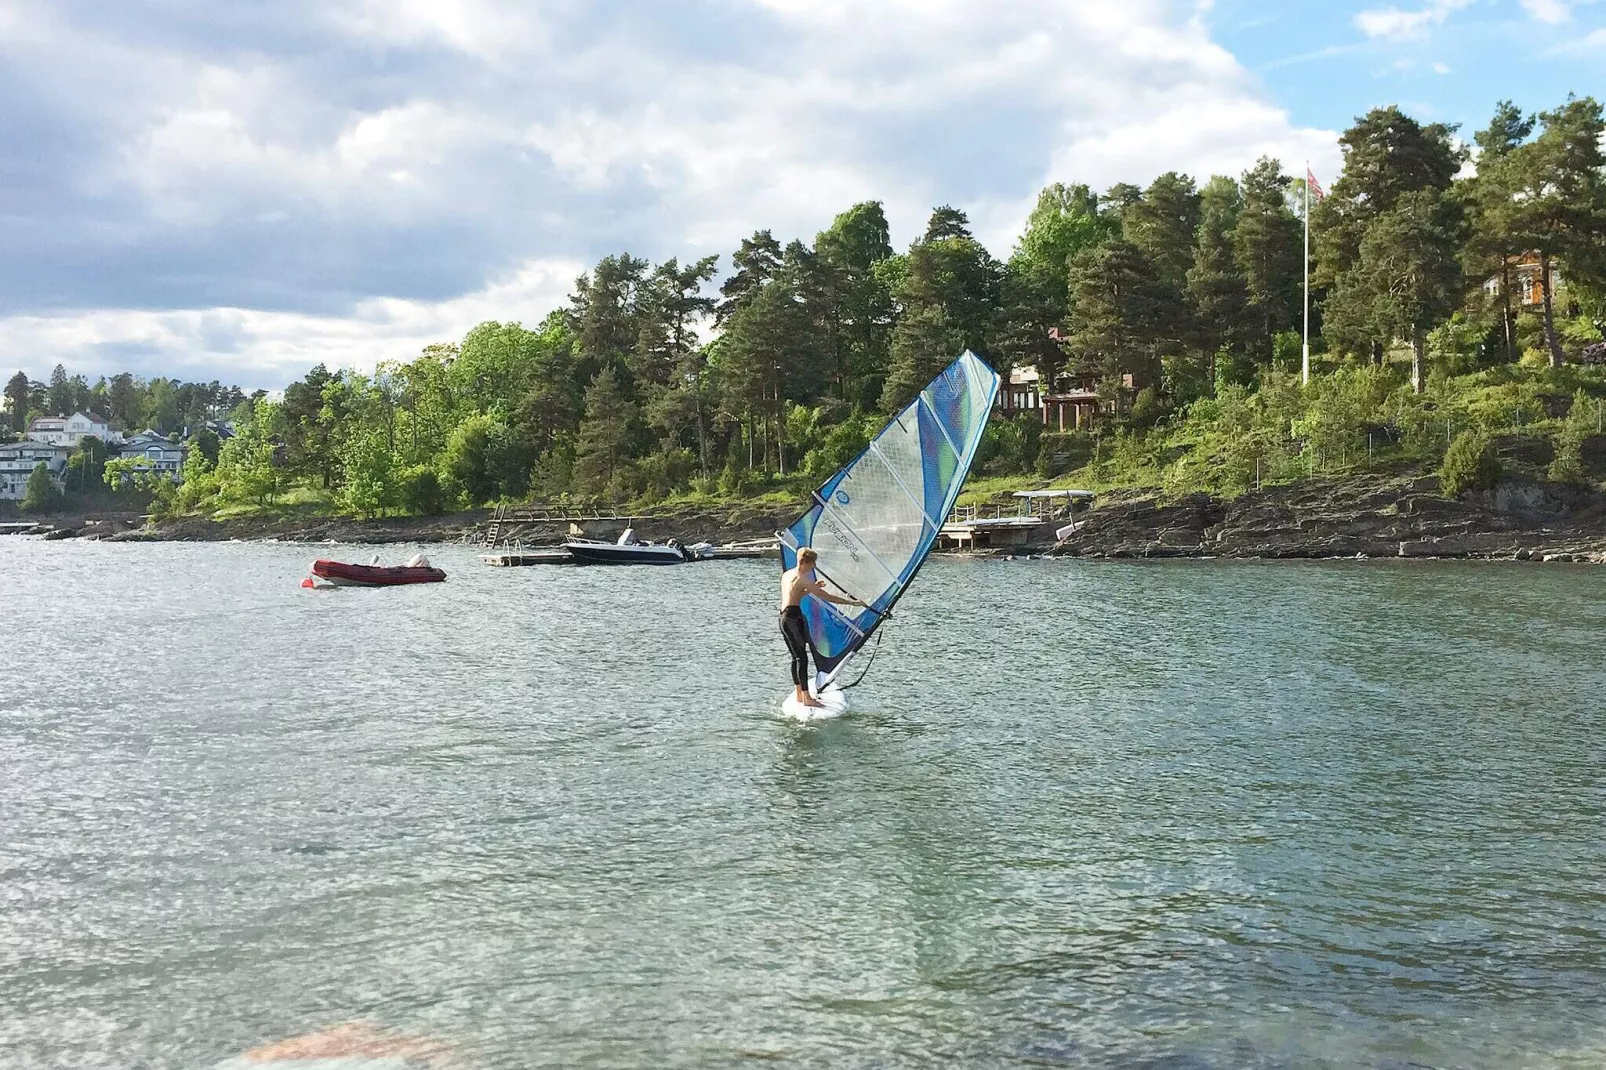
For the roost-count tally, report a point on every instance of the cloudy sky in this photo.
(241, 189)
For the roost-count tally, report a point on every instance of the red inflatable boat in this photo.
(343, 574)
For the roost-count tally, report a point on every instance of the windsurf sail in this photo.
(873, 523)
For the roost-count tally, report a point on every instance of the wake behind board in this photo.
(835, 705)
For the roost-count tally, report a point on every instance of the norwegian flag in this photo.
(1315, 186)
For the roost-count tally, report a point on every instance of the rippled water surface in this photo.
(1182, 815)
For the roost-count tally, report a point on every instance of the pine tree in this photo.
(17, 401)
(607, 434)
(949, 296)
(1268, 246)
(1553, 201)
(1118, 315)
(1217, 293)
(1490, 243)
(1409, 270)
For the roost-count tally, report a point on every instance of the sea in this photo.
(1175, 815)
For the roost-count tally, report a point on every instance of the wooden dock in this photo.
(518, 557)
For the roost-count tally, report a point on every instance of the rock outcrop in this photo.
(1520, 518)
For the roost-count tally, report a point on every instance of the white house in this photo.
(19, 459)
(157, 453)
(70, 430)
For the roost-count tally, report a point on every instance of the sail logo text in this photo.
(841, 535)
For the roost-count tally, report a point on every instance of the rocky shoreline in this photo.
(1520, 519)
(1523, 518)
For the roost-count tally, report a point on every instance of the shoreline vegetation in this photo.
(1456, 404)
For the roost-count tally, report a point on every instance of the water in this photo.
(1182, 815)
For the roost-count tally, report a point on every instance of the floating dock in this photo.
(557, 555)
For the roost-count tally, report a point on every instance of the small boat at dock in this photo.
(629, 551)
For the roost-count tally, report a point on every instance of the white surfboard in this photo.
(835, 705)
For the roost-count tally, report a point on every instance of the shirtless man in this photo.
(795, 584)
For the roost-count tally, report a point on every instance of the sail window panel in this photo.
(873, 526)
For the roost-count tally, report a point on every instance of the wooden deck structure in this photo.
(1036, 512)
(557, 555)
(579, 518)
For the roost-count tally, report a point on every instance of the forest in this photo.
(1182, 301)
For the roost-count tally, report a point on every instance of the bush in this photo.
(1458, 346)
(1581, 423)
(1147, 408)
(1063, 452)
(1009, 446)
(837, 447)
(1288, 352)
(42, 495)
(1469, 464)
(421, 491)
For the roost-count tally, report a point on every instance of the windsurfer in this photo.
(796, 584)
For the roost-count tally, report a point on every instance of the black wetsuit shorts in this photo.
(795, 630)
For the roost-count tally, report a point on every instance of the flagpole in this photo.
(1305, 373)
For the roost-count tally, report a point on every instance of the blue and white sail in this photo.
(873, 523)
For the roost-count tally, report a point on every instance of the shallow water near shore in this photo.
(1092, 814)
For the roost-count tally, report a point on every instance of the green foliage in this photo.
(1469, 464)
(486, 460)
(1584, 419)
(419, 491)
(1457, 345)
(1010, 446)
(1062, 451)
(371, 481)
(246, 467)
(1147, 408)
(949, 295)
(41, 495)
(838, 445)
(199, 484)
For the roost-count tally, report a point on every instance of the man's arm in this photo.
(817, 589)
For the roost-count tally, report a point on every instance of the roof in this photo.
(34, 446)
(48, 423)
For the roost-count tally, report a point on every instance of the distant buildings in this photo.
(19, 459)
(1526, 281)
(155, 453)
(1071, 402)
(70, 430)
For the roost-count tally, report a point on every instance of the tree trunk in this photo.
(1505, 309)
(1377, 354)
(1419, 344)
(702, 441)
(780, 437)
(1557, 357)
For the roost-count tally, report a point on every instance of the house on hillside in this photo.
(71, 430)
(19, 459)
(1527, 285)
(155, 453)
(1072, 402)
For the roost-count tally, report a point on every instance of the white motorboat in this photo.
(628, 550)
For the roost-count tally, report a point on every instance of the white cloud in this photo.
(1441, 68)
(1554, 12)
(267, 349)
(1589, 44)
(418, 148)
(1390, 23)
